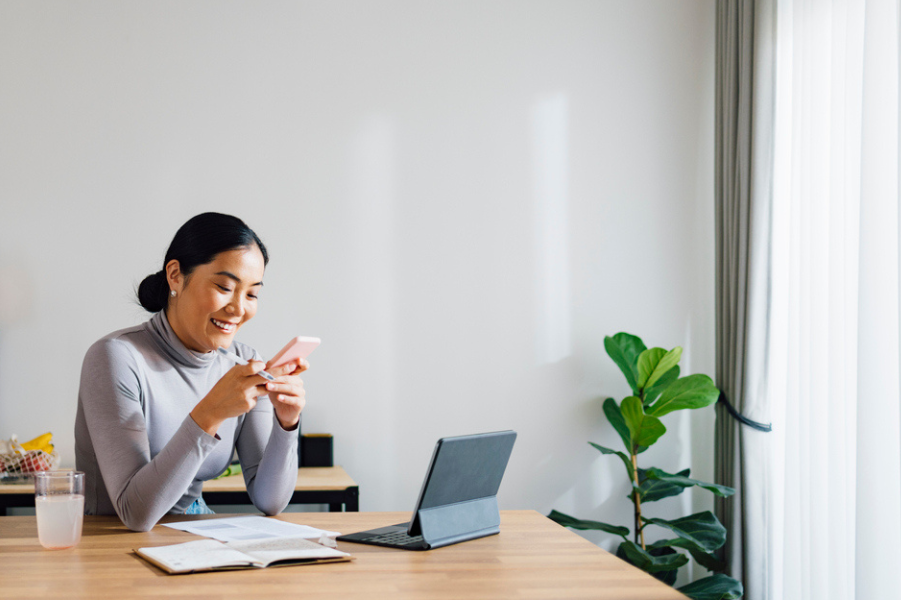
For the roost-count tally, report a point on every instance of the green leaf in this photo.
(647, 360)
(708, 561)
(568, 521)
(615, 416)
(626, 460)
(648, 563)
(667, 577)
(654, 363)
(715, 587)
(652, 392)
(701, 528)
(652, 490)
(694, 391)
(645, 430)
(685, 482)
(624, 349)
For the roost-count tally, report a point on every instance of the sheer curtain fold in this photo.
(834, 376)
(811, 337)
(816, 297)
(878, 514)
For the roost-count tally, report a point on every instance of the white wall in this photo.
(461, 199)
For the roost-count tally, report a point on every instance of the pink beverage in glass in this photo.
(59, 506)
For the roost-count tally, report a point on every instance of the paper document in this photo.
(237, 529)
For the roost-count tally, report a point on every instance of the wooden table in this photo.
(532, 557)
(315, 485)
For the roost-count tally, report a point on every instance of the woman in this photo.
(160, 411)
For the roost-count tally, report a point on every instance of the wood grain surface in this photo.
(308, 478)
(532, 557)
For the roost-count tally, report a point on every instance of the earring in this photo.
(172, 293)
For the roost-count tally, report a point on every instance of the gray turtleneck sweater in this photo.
(143, 455)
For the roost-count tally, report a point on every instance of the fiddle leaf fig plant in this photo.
(657, 390)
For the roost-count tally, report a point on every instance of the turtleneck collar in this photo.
(162, 332)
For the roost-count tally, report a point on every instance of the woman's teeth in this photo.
(226, 327)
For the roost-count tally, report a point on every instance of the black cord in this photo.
(764, 427)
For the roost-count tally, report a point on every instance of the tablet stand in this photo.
(452, 523)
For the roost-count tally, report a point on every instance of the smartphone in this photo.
(299, 347)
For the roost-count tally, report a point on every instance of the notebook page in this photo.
(198, 556)
(270, 550)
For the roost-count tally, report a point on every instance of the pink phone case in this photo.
(299, 347)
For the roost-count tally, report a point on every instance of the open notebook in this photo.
(213, 555)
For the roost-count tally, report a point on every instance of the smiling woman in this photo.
(218, 291)
(160, 411)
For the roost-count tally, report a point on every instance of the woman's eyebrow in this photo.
(236, 278)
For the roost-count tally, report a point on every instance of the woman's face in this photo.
(213, 302)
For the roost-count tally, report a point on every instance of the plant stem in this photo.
(639, 530)
(636, 499)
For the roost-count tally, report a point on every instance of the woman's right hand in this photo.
(233, 395)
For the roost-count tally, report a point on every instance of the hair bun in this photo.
(153, 292)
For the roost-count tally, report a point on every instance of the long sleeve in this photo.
(143, 455)
(268, 455)
(111, 415)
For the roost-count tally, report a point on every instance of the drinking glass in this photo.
(59, 506)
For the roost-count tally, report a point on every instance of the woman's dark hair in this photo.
(197, 242)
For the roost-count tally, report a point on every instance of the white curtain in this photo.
(834, 344)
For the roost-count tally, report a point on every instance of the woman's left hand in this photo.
(287, 393)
